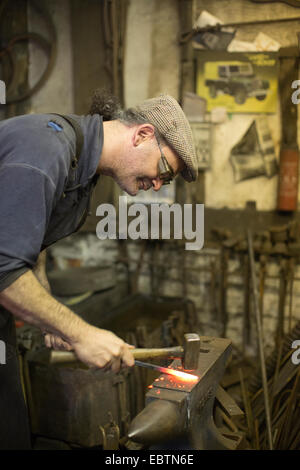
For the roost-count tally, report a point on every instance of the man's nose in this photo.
(157, 184)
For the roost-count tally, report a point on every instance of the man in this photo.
(49, 165)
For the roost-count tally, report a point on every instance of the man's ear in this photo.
(143, 133)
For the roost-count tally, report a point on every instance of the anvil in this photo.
(178, 408)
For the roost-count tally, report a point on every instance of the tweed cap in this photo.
(168, 118)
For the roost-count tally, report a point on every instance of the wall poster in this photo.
(242, 82)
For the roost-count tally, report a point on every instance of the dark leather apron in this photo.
(14, 427)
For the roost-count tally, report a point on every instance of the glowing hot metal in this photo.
(165, 370)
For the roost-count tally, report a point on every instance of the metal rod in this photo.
(260, 340)
(148, 365)
(202, 269)
(247, 404)
(291, 276)
(166, 370)
(218, 27)
(256, 429)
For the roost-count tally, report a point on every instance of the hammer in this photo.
(189, 353)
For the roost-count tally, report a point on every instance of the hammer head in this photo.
(191, 349)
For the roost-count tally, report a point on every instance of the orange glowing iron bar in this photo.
(165, 370)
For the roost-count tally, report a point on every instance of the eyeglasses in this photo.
(166, 174)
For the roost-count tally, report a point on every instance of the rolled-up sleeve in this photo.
(26, 200)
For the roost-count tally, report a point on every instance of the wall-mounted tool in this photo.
(187, 36)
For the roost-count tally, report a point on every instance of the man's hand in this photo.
(103, 349)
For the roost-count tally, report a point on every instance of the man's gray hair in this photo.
(109, 107)
(131, 117)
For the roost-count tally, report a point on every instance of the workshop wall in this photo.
(152, 29)
(57, 93)
(13, 23)
(152, 58)
(220, 188)
(202, 269)
(153, 65)
(166, 269)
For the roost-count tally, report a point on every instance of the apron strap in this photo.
(79, 138)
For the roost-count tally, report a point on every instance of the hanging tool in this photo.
(218, 27)
(291, 281)
(260, 339)
(246, 318)
(283, 288)
(224, 260)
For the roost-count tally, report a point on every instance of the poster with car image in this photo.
(240, 82)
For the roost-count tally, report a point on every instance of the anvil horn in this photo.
(157, 422)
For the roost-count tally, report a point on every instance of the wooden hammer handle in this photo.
(138, 353)
(151, 353)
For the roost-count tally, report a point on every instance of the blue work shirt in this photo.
(42, 199)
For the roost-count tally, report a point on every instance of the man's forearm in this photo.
(28, 300)
(39, 271)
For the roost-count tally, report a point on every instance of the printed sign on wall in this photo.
(240, 82)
